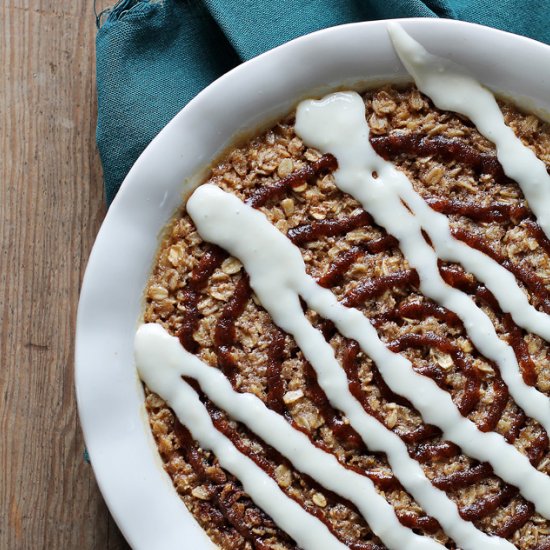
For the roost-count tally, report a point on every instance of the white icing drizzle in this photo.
(278, 277)
(162, 361)
(451, 88)
(337, 125)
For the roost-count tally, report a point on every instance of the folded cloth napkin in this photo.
(153, 56)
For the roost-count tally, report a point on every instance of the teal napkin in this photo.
(153, 56)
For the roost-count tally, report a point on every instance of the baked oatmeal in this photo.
(202, 295)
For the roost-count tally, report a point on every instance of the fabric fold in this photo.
(152, 59)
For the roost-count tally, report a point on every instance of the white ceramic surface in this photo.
(110, 399)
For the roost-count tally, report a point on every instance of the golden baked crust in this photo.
(453, 167)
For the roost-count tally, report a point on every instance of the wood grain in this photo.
(51, 206)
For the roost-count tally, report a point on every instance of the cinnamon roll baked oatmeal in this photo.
(363, 319)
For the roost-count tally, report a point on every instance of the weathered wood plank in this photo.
(51, 206)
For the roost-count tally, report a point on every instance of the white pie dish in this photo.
(123, 453)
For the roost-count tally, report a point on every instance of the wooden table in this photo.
(51, 206)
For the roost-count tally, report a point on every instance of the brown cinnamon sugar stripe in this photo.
(269, 192)
(275, 382)
(463, 478)
(433, 372)
(212, 259)
(349, 363)
(328, 228)
(383, 480)
(518, 422)
(390, 145)
(414, 521)
(523, 512)
(497, 406)
(224, 336)
(488, 504)
(375, 287)
(427, 452)
(497, 212)
(418, 310)
(526, 363)
(337, 269)
(538, 448)
(380, 245)
(422, 433)
(343, 262)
